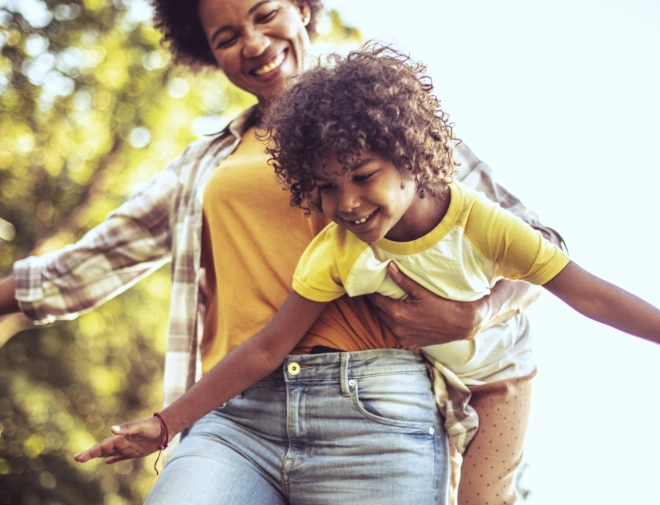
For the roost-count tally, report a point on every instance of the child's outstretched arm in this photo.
(250, 362)
(605, 302)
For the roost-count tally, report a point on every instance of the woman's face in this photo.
(258, 44)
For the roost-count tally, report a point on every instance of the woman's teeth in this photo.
(272, 65)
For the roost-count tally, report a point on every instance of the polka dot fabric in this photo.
(491, 460)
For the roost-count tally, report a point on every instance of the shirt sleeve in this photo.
(519, 251)
(132, 242)
(474, 173)
(317, 276)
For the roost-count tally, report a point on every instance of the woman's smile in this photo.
(271, 65)
(259, 45)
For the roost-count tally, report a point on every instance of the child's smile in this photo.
(373, 200)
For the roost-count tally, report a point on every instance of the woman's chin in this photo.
(271, 85)
(271, 92)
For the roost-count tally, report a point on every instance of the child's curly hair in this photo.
(179, 22)
(375, 99)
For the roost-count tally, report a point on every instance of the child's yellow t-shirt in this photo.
(476, 244)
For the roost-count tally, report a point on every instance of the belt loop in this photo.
(345, 389)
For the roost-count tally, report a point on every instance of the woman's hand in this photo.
(425, 318)
(130, 440)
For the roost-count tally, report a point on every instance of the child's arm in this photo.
(250, 362)
(605, 302)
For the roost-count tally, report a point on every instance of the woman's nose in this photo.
(255, 44)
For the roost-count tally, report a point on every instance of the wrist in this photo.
(482, 313)
(165, 436)
(170, 422)
(469, 318)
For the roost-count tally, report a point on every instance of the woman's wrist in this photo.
(507, 298)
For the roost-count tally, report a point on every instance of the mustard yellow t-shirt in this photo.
(252, 240)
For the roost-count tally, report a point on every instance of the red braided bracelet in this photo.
(164, 441)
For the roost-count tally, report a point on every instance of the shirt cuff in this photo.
(29, 289)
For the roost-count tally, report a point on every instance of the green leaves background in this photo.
(91, 108)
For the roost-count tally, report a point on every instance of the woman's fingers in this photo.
(103, 449)
(424, 318)
(116, 458)
(130, 440)
(411, 288)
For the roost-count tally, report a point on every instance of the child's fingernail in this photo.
(394, 266)
(114, 428)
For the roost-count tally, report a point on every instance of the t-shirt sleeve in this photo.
(476, 174)
(317, 275)
(520, 251)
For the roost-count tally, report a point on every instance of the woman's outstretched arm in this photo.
(248, 363)
(604, 302)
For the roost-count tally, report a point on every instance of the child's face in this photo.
(373, 200)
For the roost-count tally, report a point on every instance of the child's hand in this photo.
(131, 440)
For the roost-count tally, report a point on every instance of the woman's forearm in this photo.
(8, 303)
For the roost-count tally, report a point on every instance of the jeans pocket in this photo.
(380, 400)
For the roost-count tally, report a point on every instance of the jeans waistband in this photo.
(342, 366)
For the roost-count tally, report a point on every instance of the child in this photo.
(381, 171)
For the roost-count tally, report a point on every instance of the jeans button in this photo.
(293, 368)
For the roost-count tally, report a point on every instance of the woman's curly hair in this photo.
(374, 99)
(182, 30)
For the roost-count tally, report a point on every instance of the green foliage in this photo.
(90, 110)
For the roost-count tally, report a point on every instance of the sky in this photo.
(561, 99)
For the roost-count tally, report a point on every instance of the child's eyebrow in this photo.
(361, 163)
(318, 177)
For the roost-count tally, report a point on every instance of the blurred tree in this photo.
(90, 110)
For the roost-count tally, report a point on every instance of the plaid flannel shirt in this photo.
(163, 223)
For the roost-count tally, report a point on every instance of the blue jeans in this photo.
(335, 428)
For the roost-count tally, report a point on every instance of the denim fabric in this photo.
(336, 428)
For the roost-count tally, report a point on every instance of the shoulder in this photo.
(336, 238)
(472, 206)
(488, 226)
(476, 206)
(212, 149)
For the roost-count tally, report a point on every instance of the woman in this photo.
(285, 440)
